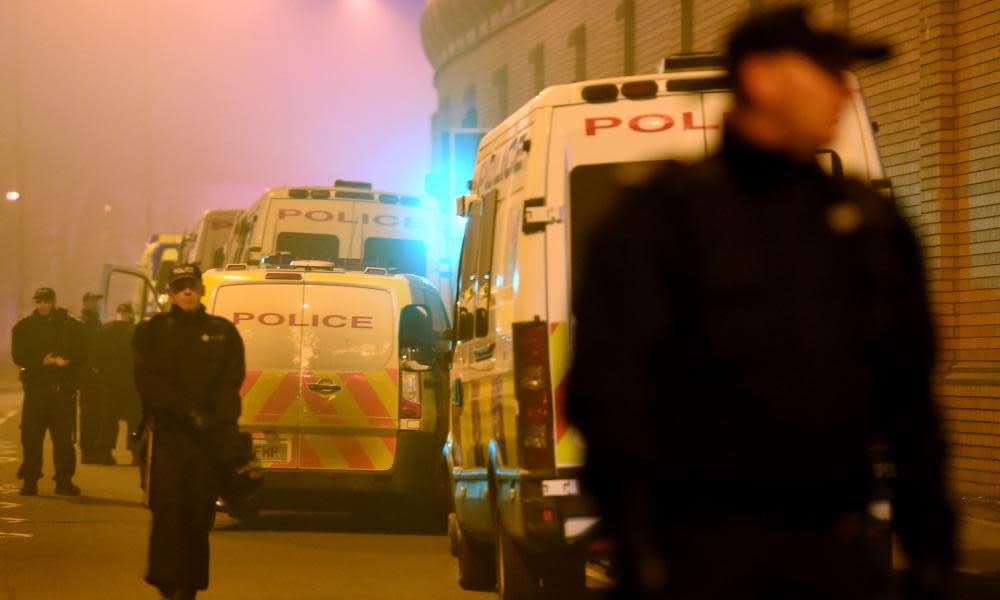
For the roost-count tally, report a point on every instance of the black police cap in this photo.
(787, 28)
(181, 272)
(45, 293)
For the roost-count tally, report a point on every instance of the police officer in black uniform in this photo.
(96, 419)
(748, 327)
(115, 363)
(189, 368)
(48, 345)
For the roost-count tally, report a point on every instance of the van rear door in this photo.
(349, 416)
(268, 316)
(601, 147)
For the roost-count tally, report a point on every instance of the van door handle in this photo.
(480, 354)
(324, 386)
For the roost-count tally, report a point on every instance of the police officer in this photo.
(95, 418)
(48, 345)
(748, 327)
(115, 363)
(189, 368)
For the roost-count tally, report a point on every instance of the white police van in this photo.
(543, 179)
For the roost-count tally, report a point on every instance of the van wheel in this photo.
(565, 574)
(476, 563)
(516, 580)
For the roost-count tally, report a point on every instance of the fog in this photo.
(123, 118)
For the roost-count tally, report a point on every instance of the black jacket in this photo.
(35, 336)
(114, 360)
(189, 368)
(747, 327)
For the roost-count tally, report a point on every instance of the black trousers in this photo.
(98, 425)
(48, 407)
(183, 489)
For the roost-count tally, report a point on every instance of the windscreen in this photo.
(347, 329)
(406, 256)
(269, 319)
(309, 246)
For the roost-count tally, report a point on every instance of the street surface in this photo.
(94, 546)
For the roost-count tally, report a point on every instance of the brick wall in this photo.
(938, 115)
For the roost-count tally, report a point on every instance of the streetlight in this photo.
(13, 196)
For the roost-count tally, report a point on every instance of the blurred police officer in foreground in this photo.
(48, 345)
(95, 416)
(115, 363)
(780, 328)
(189, 368)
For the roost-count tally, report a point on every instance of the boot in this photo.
(30, 487)
(66, 488)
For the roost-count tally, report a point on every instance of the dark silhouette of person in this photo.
(748, 328)
(49, 347)
(96, 419)
(115, 363)
(189, 366)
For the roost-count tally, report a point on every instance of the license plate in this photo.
(560, 487)
(266, 451)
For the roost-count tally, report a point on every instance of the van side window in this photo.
(487, 228)
(469, 263)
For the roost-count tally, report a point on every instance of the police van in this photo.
(349, 220)
(346, 387)
(543, 179)
(205, 244)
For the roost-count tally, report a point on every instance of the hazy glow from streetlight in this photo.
(13, 196)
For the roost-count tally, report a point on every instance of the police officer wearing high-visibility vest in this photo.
(49, 347)
(748, 328)
(189, 368)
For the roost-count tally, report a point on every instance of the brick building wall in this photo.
(936, 103)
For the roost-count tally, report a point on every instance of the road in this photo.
(93, 547)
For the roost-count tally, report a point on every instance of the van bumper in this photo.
(416, 471)
(540, 522)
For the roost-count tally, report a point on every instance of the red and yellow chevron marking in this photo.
(570, 450)
(353, 429)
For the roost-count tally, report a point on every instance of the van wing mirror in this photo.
(416, 338)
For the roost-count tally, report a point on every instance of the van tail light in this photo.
(409, 395)
(534, 395)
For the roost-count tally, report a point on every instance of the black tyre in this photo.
(476, 564)
(516, 579)
(564, 575)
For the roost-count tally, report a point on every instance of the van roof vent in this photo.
(236, 267)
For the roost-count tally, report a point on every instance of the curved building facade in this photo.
(936, 106)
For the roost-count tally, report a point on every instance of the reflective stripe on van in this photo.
(352, 429)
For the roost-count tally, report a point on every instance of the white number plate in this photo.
(561, 487)
(266, 451)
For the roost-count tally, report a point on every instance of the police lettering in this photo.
(650, 123)
(323, 216)
(272, 319)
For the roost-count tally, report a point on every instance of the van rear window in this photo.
(406, 256)
(594, 191)
(309, 246)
